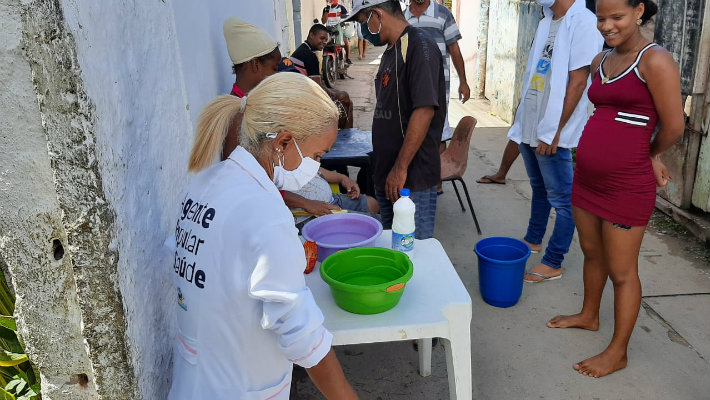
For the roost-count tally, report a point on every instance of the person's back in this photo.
(223, 346)
(438, 22)
(244, 313)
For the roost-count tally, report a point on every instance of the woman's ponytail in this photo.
(212, 128)
(284, 101)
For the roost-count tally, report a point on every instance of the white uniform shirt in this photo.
(245, 314)
(576, 44)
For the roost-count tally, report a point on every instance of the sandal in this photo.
(543, 276)
(486, 179)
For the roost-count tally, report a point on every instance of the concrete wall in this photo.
(468, 19)
(700, 115)
(33, 239)
(511, 30)
(98, 113)
(206, 67)
(678, 28)
(310, 10)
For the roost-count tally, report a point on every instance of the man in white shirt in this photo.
(550, 120)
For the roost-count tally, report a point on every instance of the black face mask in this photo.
(373, 38)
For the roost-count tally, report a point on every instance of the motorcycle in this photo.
(334, 64)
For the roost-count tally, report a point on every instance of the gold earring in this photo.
(639, 21)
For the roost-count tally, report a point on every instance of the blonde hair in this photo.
(283, 101)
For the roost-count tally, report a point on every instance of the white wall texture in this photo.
(32, 220)
(207, 69)
(127, 52)
(144, 70)
(511, 30)
(466, 13)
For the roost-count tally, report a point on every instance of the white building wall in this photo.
(147, 68)
(31, 231)
(207, 69)
(128, 55)
(466, 13)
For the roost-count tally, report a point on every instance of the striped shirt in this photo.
(439, 23)
(335, 14)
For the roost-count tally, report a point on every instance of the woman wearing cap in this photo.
(245, 315)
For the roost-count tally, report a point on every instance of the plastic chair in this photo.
(455, 158)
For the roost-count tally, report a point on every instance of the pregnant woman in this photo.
(635, 87)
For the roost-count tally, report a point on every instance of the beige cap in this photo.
(246, 41)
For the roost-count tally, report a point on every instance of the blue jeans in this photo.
(424, 216)
(551, 182)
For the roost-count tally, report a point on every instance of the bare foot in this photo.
(602, 364)
(543, 273)
(534, 248)
(574, 321)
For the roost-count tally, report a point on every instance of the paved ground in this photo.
(514, 356)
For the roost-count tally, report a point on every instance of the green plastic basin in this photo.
(367, 280)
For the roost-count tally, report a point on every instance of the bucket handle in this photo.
(396, 287)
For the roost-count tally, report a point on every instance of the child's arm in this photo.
(352, 188)
(314, 207)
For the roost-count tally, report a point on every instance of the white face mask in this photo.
(546, 3)
(299, 177)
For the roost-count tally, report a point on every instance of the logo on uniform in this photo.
(386, 79)
(181, 300)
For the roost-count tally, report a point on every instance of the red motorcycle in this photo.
(334, 64)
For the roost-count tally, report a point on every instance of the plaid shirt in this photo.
(439, 23)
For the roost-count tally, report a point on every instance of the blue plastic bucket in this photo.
(501, 268)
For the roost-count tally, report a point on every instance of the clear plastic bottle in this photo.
(403, 223)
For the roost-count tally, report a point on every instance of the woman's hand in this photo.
(660, 172)
(319, 208)
(352, 188)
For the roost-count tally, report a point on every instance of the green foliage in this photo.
(19, 388)
(18, 379)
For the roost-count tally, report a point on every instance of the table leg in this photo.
(458, 363)
(424, 356)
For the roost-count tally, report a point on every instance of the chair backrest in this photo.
(455, 157)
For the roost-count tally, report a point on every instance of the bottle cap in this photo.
(404, 192)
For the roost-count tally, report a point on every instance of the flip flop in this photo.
(544, 277)
(486, 179)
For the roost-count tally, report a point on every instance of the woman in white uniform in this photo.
(245, 314)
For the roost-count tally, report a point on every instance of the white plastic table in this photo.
(435, 303)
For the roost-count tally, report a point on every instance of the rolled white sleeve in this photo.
(289, 309)
(586, 42)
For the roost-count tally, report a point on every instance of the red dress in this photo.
(613, 177)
